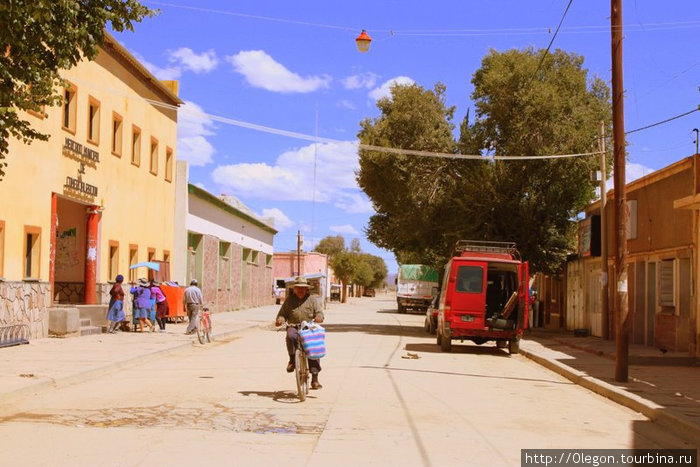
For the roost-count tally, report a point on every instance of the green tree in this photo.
(364, 275)
(38, 39)
(378, 268)
(344, 266)
(331, 245)
(406, 190)
(524, 106)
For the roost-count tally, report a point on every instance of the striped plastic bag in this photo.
(313, 338)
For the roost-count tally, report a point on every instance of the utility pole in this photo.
(605, 316)
(620, 310)
(300, 240)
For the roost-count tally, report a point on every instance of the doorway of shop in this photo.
(70, 246)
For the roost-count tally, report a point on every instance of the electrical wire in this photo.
(368, 147)
(663, 121)
(552, 41)
(443, 32)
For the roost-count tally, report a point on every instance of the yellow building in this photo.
(95, 198)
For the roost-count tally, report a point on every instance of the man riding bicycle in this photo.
(297, 307)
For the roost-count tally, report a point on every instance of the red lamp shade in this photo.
(363, 41)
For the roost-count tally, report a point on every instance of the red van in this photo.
(484, 296)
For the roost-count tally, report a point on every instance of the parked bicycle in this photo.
(301, 364)
(204, 326)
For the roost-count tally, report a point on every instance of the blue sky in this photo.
(294, 67)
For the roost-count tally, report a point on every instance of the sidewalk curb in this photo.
(77, 378)
(678, 423)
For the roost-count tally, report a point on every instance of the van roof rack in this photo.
(483, 246)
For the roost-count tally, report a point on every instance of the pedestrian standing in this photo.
(193, 302)
(142, 303)
(115, 315)
(161, 305)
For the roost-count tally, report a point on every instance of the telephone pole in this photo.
(620, 310)
(300, 241)
(605, 315)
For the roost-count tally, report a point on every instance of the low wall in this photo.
(26, 303)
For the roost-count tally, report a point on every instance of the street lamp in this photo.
(363, 41)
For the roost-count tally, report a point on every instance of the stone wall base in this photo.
(26, 303)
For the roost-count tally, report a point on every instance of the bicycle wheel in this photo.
(201, 329)
(209, 335)
(301, 373)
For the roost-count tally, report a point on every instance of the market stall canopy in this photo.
(147, 264)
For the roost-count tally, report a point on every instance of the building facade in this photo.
(95, 198)
(227, 249)
(310, 264)
(662, 260)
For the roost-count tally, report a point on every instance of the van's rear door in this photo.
(468, 287)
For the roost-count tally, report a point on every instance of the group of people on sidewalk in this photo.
(150, 306)
(150, 303)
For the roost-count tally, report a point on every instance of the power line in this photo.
(442, 32)
(553, 37)
(663, 121)
(368, 147)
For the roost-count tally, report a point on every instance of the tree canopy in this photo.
(38, 39)
(352, 265)
(525, 106)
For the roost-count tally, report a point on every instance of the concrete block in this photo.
(97, 314)
(64, 321)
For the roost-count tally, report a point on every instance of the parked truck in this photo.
(416, 285)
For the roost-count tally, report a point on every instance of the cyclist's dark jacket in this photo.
(296, 310)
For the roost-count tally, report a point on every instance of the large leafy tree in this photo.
(38, 38)
(527, 104)
(331, 245)
(407, 190)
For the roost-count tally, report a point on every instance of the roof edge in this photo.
(111, 43)
(206, 196)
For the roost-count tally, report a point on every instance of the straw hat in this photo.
(301, 282)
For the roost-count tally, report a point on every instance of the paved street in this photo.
(231, 403)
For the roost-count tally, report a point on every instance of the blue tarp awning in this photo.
(147, 264)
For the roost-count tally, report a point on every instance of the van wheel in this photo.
(501, 344)
(438, 337)
(445, 343)
(402, 309)
(514, 346)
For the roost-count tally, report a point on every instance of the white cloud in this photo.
(360, 81)
(198, 63)
(262, 71)
(192, 128)
(355, 203)
(633, 171)
(385, 89)
(281, 220)
(169, 73)
(291, 178)
(344, 229)
(346, 104)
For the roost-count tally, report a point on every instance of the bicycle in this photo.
(301, 364)
(204, 326)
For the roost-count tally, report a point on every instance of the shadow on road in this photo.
(379, 329)
(471, 375)
(287, 397)
(394, 311)
(457, 348)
